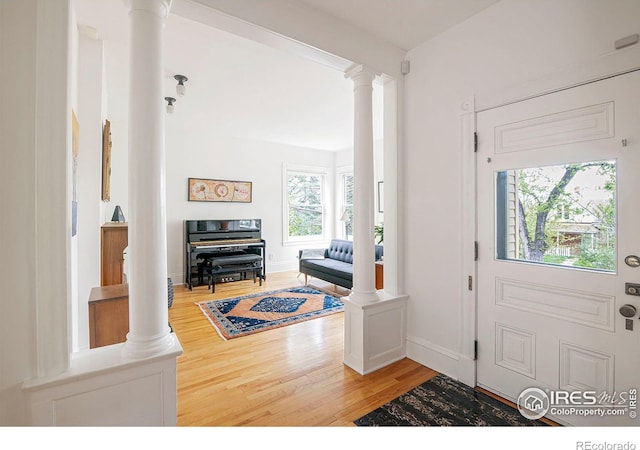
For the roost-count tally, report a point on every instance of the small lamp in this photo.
(117, 215)
(180, 88)
(170, 102)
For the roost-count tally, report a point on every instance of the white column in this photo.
(149, 333)
(364, 290)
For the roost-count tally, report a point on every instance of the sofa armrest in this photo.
(310, 253)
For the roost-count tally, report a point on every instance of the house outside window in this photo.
(558, 215)
(304, 200)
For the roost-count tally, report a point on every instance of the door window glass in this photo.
(559, 215)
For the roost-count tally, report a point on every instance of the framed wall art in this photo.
(106, 161)
(205, 190)
(75, 150)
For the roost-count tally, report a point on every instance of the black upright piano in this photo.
(224, 250)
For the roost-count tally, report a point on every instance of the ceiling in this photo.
(404, 23)
(245, 89)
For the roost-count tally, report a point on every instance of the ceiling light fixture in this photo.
(170, 102)
(180, 88)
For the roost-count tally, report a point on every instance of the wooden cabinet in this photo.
(113, 240)
(108, 315)
(379, 275)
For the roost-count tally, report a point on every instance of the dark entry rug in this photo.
(443, 401)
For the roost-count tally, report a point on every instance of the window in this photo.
(347, 204)
(559, 215)
(304, 204)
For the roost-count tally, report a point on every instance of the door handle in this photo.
(628, 310)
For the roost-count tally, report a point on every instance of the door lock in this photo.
(632, 289)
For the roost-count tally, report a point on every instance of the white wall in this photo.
(73, 81)
(197, 153)
(194, 151)
(35, 174)
(505, 46)
(89, 174)
(17, 78)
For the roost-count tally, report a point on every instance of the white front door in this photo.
(558, 185)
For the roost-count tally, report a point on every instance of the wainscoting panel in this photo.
(578, 125)
(585, 369)
(516, 350)
(143, 406)
(374, 333)
(585, 308)
(103, 387)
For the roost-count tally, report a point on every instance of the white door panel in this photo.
(550, 326)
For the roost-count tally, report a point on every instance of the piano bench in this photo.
(226, 265)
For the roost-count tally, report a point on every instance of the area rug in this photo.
(240, 316)
(442, 401)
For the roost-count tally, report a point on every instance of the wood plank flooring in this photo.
(290, 376)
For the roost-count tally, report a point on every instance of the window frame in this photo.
(293, 169)
(342, 174)
(501, 194)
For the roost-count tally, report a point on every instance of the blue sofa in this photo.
(333, 264)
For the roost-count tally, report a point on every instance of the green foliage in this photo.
(603, 258)
(348, 202)
(553, 259)
(550, 205)
(379, 231)
(304, 194)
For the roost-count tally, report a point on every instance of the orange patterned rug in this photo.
(240, 316)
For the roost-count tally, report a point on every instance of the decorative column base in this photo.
(374, 333)
(145, 349)
(364, 298)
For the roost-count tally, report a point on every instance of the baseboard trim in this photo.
(285, 266)
(435, 357)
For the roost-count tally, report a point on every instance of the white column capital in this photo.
(158, 7)
(361, 74)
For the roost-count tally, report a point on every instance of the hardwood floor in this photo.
(290, 376)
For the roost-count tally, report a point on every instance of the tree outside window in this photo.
(347, 189)
(305, 203)
(562, 215)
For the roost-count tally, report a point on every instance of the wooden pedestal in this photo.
(108, 315)
(379, 275)
(113, 240)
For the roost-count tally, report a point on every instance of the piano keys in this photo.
(222, 243)
(226, 240)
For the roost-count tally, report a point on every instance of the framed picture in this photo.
(106, 161)
(75, 149)
(380, 196)
(205, 190)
